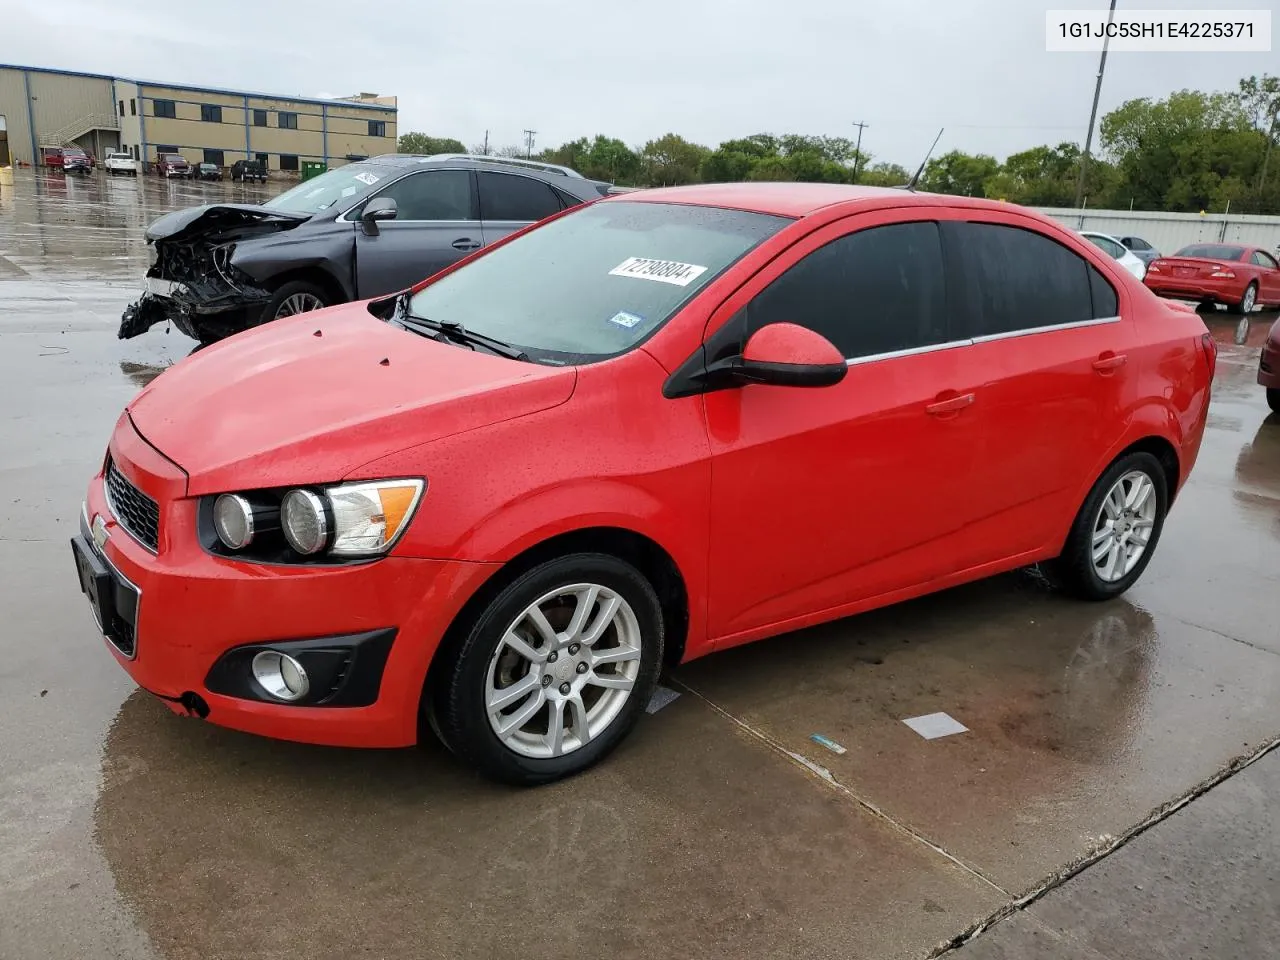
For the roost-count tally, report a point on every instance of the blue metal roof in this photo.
(194, 89)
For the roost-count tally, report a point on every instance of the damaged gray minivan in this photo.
(362, 230)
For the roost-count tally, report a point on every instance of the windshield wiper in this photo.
(454, 332)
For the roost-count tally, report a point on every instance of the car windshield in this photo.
(346, 185)
(1211, 251)
(596, 282)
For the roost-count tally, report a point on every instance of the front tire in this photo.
(554, 672)
(292, 298)
(1273, 399)
(1116, 531)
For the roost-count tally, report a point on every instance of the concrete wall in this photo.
(1168, 232)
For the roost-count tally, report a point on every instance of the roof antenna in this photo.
(916, 179)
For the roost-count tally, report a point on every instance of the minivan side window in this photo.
(1005, 279)
(432, 195)
(875, 291)
(504, 196)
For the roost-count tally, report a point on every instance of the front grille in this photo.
(135, 511)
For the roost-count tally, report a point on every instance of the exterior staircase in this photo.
(68, 134)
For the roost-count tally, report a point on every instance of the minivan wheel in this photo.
(1117, 529)
(294, 297)
(554, 672)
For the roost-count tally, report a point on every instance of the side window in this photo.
(504, 196)
(432, 195)
(874, 291)
(1006, 279)
(568, 201)
(1265, 260)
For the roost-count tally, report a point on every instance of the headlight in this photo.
(233, 521)
(352, 520)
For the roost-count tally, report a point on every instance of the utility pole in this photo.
(486, 143)
(857, 150)
(528, 144)
(1093, 114)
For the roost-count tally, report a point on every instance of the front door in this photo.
(1268, 277)
(436, 224)
(822, 497)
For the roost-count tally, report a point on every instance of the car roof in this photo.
(797, 199)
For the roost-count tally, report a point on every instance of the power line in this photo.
(528, 144)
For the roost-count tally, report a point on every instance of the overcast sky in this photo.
(706, 69)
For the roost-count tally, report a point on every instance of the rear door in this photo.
(1053, 353)
(437, 222)
(1268, 276)
(509, 202)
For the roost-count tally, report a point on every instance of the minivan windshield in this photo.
(595, 282)
(346, 184)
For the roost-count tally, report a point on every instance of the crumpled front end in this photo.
(193, 286)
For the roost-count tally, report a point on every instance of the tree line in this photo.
(1190, 151)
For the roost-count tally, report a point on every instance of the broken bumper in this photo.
(199, 315)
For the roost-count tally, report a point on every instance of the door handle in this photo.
(1110, 362)
(465, 243)
(953, 405)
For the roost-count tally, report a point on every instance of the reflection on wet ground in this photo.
(127, 832)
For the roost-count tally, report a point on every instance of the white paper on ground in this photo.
(934, 725)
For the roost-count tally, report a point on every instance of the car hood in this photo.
(309, 399)
(217, 216)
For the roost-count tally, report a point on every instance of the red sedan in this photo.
(643, 430)
(1240, 277)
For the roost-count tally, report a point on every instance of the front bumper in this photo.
(194, 607)
(1227, 292)
(194, 312)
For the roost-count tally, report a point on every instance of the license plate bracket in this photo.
(113, 600)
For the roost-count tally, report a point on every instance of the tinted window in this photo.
(507, 197)
(1005, 279)
(210, 113)
(164, 108)
(214, 156)
(1105, 301)
(377, 128)
(259, 118)
(1264, 259)
(1135, 243)
(874, 291)
(1211, 251)
(432, 195)
(567, 200)
(598, 280)
(287, 121)
(133, 106)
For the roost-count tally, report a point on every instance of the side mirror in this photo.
(379, 208)
(788, 355)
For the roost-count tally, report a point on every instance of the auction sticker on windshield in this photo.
(664, 271)
(368, 178)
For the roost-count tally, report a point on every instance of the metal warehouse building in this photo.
(40, 109)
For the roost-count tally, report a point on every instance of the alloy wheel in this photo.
(1123, 526)
(1250, 298)
(563, 670)
(299, 303)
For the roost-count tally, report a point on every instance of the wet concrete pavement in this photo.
(720, 828)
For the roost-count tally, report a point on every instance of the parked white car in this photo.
(1117, 251)
(119, 162)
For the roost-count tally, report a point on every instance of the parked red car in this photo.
(640, 431)
(1269, 367)
(1241, 277)
(173, 165)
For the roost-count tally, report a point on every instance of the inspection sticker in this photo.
(664, 271)
(368, 178)
(624, 319)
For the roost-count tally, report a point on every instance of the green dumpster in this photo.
(312, 168)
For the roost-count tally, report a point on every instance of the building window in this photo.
(259, 118)
(164, 108)
(133, 107)
(214, 157)
(122, 108)
(377, 128)
(137, 151)
(210, 113)
(288, 161)
(287, 121)
(262, 159)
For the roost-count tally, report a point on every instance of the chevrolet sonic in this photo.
(653, 427)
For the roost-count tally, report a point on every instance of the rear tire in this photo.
(1273, 399)
(294, 297)
(588, 639)
(1130, 500)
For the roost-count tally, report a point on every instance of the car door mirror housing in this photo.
(379, 208)
(789, 355)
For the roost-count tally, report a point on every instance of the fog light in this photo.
(280, 675)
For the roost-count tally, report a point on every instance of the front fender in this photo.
(329, 250)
